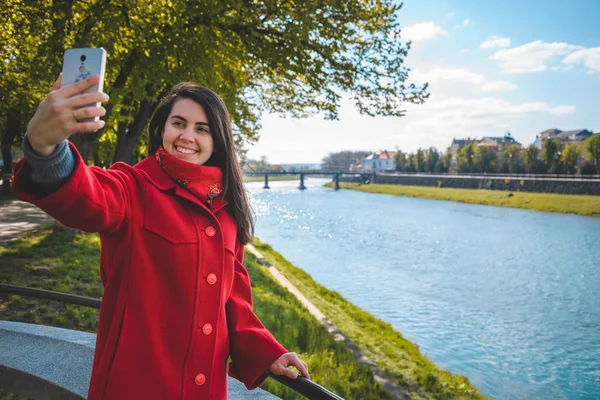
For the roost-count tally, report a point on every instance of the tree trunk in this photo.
(86, 142)
(12, 131)
(128, 139)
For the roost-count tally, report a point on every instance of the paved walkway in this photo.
(18, 218)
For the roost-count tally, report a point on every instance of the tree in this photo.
(446, 162)
(550, 154)
(593, 147)
(290, 58)
(420, 160)
(411, 165)
(570, 158)
(530, 157)
(401, 160)
(466, 157)
(343, 159)
(485, 159)
(432, 157)
(513, 158)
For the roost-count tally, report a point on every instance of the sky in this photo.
(518, 66)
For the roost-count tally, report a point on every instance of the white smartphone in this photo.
(78, 64)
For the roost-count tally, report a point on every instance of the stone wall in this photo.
(517, 184)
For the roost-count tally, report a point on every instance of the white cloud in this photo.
(588, 57)
(423, 31)
(531, 57)
(463, 51)
(478, 82)
(495, 41)
(496, 86)
(466, 22)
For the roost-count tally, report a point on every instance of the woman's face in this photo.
(187, 135)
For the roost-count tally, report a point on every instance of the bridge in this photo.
(366, 177)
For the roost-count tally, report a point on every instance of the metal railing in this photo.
(301, 385)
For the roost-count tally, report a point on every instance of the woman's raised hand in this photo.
(60, 114)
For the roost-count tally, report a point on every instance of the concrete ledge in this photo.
(43, 362)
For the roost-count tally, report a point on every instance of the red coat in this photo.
(177, 299)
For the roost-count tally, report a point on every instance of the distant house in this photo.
(497, 143)
(566, 137)
(380, 161)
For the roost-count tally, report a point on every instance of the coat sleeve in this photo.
(91, 199)
(252, 347)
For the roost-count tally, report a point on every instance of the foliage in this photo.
(570, 158)
(531, 154)
(550, 154)
(466, 157)
(592, 145)
(343, 159)
(291, 58)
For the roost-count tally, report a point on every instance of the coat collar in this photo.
(156, 176)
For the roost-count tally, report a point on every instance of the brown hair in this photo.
(225, 155)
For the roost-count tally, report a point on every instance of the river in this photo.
(509, 298)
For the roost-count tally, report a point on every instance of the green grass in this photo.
(399, 358)
(573, 204)
(273, 178)
(68, 262)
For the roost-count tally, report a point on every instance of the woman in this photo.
(177, 300)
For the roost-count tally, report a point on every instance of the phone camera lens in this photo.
(82, 58)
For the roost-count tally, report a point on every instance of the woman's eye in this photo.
(203, 130)
(177, 123)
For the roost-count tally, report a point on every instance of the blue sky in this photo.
(523, 66)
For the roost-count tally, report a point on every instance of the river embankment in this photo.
(550, 202)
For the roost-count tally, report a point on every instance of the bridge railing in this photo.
(26, 383)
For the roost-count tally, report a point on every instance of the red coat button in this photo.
(207, 329)
(210, 231)
(200, 379)
(211, 279)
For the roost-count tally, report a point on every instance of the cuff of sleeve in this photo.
(55, 168)
(253, 372)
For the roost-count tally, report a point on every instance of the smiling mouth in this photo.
(185, 151)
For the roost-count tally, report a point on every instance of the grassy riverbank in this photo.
(573, 204)
(68, 262)
(399, 358)
(272, 178)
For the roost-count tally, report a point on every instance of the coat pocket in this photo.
(170, 221)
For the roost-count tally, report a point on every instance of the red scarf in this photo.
(204, 182)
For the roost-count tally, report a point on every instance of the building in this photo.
(496, 143)
(380, 161)
(578, 136)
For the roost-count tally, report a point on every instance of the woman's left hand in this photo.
(280, 367)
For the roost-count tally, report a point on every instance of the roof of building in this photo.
(552, 131)
(577, 132)
(381, 155)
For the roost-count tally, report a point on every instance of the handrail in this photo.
(306, 387)
(301, 385)
(49, 295)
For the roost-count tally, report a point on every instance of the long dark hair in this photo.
(225, 155)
